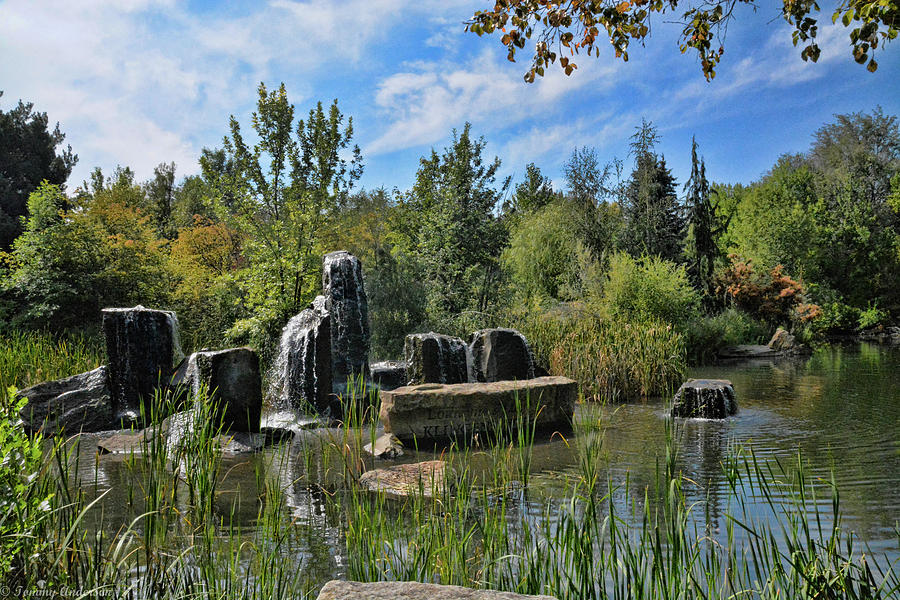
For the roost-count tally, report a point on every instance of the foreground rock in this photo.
(232, 381)
(435, 358)
(129, 442)
(434, 412)
(302, 370)
(345, 301)
(142, 345)
(500, 355)
(705, 399)
(77, 403)
(410, 590)
(388, 375)
(403, 481)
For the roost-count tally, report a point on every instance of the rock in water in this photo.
(435, 358)
(345, 301)
(231, 378)
(500, 355)
(388, 375)
(411, 590)
(142, 345)
(387, 446)
(704, 399)
(784, 342)
(433, 412)
(402, 481)
(301, 374)
(78, 403)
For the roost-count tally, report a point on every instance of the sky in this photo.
(140, 82)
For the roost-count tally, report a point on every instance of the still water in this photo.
(839, 409)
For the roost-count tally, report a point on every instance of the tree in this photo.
(532, 194)
(452, 203)
(28, 156)
(565, 28)
(597, 221)
(703, 228)
(160, 193)
(653, 223)
(278, 192)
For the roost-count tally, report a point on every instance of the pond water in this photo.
(840, 408)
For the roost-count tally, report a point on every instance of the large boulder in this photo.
(411, 590)
(78, 403)
(435, 358)
(232, 381)
(436, 412)
(142, 345)
(705, 399)
(389, 374)
(345, 301)
(786, 343)
(500, 355)
(301, 374)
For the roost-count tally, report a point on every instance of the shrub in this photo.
(649, 288)
(706, 335)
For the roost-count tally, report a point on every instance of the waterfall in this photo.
(300, 375)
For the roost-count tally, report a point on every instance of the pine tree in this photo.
(701, 248)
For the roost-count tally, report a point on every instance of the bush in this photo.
(871, 317)
(710, 333)
(648, 289)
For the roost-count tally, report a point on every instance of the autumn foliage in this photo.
(772, 296)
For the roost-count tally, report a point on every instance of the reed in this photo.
(30, 357)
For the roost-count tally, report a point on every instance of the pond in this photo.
(839, 408)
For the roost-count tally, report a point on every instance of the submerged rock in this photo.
(435, 358)
(435, 412)
(231, 378)
(500, 355)
(78, 403)
(403, 481)
(301, 374)
(704, 399)
(388, 375)
(142, 345)
(411, 590)
(345, 301)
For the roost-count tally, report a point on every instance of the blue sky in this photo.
(139, 82)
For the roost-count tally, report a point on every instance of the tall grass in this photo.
(610, 360)
(30, 357)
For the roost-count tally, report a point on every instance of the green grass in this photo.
(30, 357)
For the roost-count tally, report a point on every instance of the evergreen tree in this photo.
(532, 194)
(701, 247)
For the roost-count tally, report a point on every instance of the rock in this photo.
(301, 374)
(435, 358)
(785, 343)
(748, 351)
(439, 412)
(345, 301)
(705, 399)
(500, 355)
(403, 481)
(388, 375)
(387, 446)
(142, 345)
(411, 590)
(130, 442)
(78, 403)
(231, 378)
(180, 427)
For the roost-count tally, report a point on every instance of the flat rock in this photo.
(439, 412)
(748, 351)
(411, 590)
(387, 446)
(78, 403)
(704, 399)
(500, 355)
(403, 481)
(128, 442)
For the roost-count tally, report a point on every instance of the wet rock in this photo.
(411, 590)
(500, 355)
(142, 345)
(231, 378)
(436, 412)
(129, 442)
(388, 375)
(748, 351)
(705, 399)
(181, 427)
(345, 301)
(301, 374)
(435, 358)
(78, 403)
(785, 343)
(387, 446)
(403, 481)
